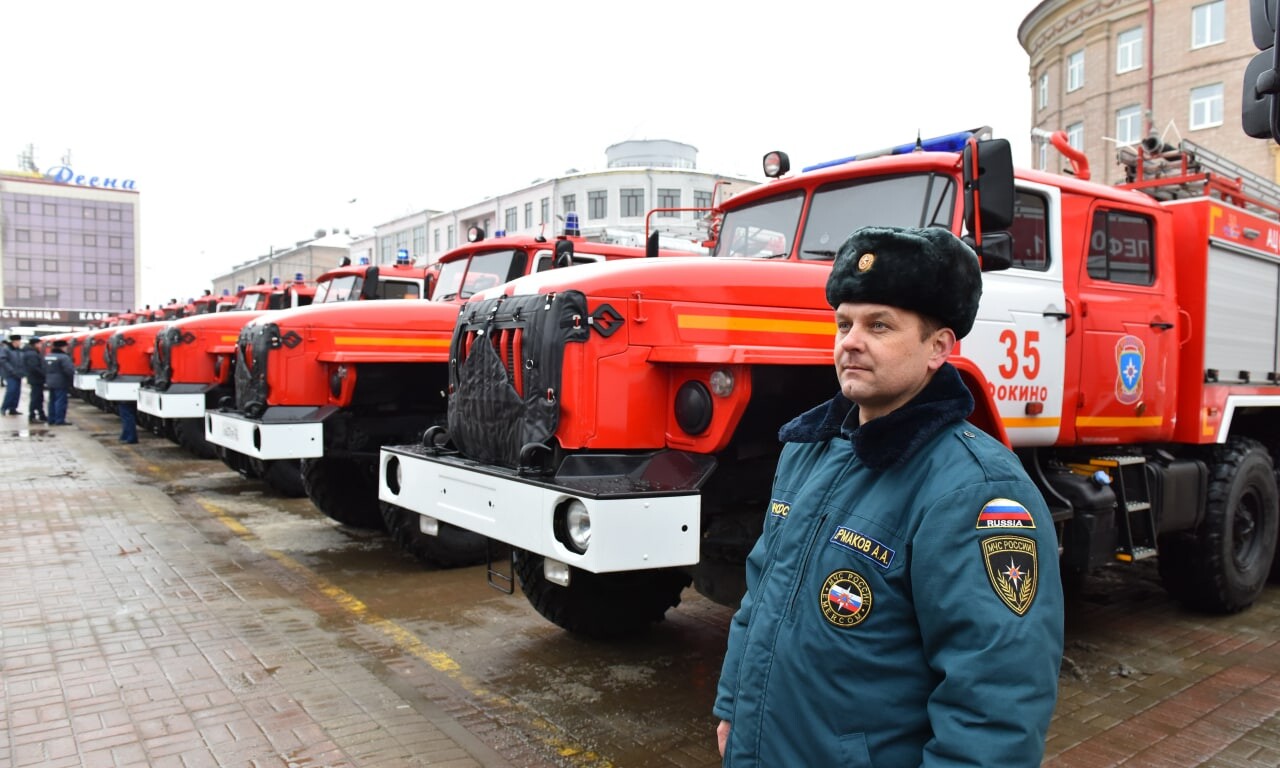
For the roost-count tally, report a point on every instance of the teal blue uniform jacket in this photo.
(903, 605)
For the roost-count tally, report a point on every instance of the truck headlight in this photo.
(573, 525)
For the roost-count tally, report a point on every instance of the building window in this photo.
(545, 205)
(91, 240)
(701, 198)
(116, 297)
(569, 203)
(1208, 24)
(1042, 156)
(598, 204)
(50, 209)
(22, 235)
(435, 240)
(1042, 91)
(90, 294)
(115, 268)
(50, 237)
(50, 265)
(50, 292)
(669, 198)
(113, 241)
(511, 220)
(1129, 51)
(528, 215)
(1206, 106)
(113, 214)
(419, 242)
(91, 268)
(1129, 124)
(90, 212)
(1120, 248)
(21, 206)
(24, 292)
(451, 239)
(1075, 135)
(632, 201)
(23, 265)
(1075, 71)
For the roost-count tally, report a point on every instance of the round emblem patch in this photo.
(866, 261)
(845, 599)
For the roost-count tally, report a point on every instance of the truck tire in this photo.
(1224, 565)
(601, 605)
(343, 490)
(453, 547)
(284, 475)
(189, 433)
(241, 464)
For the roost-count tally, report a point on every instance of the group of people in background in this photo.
(50, 370)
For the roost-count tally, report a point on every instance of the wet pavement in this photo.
(157, 609)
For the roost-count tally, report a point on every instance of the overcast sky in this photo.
(248, 125)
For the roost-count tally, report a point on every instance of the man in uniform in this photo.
(59, 372)
(886, 622)
(11, 370)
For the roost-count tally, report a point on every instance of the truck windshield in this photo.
(340, 288)
(464, 277)
(767, 229)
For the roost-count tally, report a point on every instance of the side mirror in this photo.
(564, 253)
(651, 245)
(988, 186)
(369, 290)
(997, 250)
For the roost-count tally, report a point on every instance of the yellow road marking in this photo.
(406, 641)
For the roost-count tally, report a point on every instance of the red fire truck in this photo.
(331, 385)
(194, 359)
(623, 442)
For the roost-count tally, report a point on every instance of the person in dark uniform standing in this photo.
(59, 372)
(33, 367)
(904, 605)
(11, 371)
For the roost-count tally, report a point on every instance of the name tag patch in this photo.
(864, 545)
(779, 508)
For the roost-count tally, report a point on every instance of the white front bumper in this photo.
(116, 390)
(627, 533)
(167, 405)
(85, 381)
(293, 440)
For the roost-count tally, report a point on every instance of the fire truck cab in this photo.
(1125, 348)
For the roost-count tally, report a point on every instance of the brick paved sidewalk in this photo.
(128, 638)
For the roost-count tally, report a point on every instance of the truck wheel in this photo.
(343, 490)
(285, 476)
(601, 605)
(189, 433)
(243, 465)
(1226, 565)
(453, 547)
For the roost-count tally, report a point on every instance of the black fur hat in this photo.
(929, 271)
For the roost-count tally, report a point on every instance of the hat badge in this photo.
(866, 261)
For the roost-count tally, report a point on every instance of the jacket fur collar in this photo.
(894, 437)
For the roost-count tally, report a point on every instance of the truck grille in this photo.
(251, 367)
(111, 355)
(505, 372)
(86, 354)
(162, 357)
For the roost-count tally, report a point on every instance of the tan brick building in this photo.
(1110, 72)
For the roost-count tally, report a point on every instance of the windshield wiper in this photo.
(819, 252)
